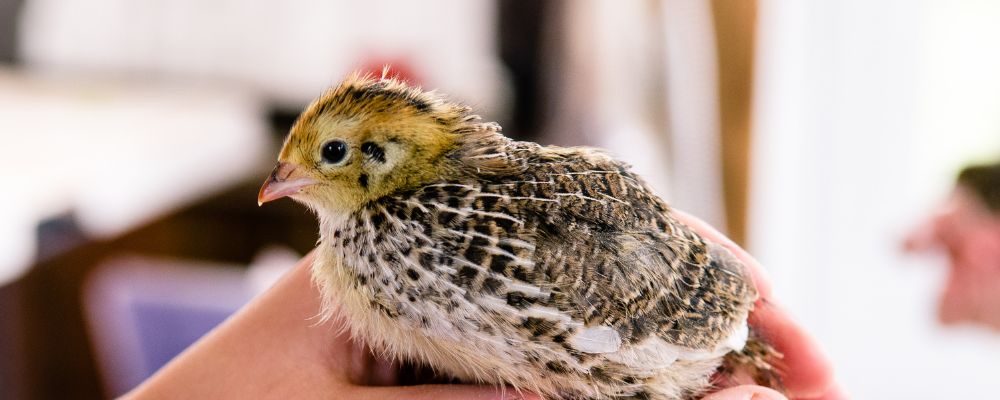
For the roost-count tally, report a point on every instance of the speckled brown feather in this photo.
(550, 269)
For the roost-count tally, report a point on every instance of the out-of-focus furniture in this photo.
(56, 358)
(144, 311)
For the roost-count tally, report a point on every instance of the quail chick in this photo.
(549, 269)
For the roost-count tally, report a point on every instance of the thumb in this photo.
(443, 392)
(746, 392)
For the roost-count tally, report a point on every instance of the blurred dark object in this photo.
(58, 234)
(55, 359)
(12, 375)
(9, 11)
(984, 182)
(282, 119)
(520, 35)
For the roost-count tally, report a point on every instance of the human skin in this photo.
(274, 348)
(969, 235)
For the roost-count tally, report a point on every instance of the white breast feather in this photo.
(655, 353)
(596, 340)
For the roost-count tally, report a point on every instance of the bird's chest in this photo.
(450, 280)
(397, 273)
(397, 294)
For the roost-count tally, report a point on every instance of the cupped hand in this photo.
(276, 348)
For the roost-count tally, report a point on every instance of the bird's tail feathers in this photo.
(758, 359)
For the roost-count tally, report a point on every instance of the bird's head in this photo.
(362, 140)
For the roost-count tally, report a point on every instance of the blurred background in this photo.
(136, 133)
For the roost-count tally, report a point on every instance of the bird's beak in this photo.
(286, 179)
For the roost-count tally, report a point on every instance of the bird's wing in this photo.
(573, 248)
(611, 257)
(655, 290)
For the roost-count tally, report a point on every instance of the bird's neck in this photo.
(371, 238)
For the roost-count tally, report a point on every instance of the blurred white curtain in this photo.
(865, 110)
(117, 155)
(639, 79)
(289, 50)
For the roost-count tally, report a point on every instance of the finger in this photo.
(746, 392)
(368, 369)
(440, 392)
(835, 393)
(385, 372)
(359, 364)
(806, 371)
(757, 272)
(324, 339)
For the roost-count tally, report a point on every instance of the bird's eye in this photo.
(334, 151)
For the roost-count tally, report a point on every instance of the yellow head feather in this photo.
(396, 137)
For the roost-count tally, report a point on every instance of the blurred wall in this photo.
(290, 51)
(865, 111)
